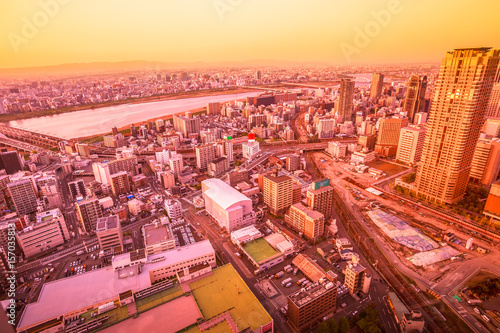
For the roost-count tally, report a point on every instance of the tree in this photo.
(343, 325)
(323, 327)
(333, 326)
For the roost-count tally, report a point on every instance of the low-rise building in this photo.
(306, 221)
(109, 234)
(158, 237)
(174, 209)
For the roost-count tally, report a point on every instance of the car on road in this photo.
(355, 313)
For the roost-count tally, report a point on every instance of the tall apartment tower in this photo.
(89, 211)
(213, 108)
(320, 197)
(187, 125)
(462, 93)
(228, 150)
(485, 166)
(24, 197)
(345, 104)
(278, 193)
(415, 96)
(377, 84)
(77, 189)
(120, 183)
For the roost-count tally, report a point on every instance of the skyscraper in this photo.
(462, 92)
(187, 125)
(24, 197)
(415, 96)
(345, 105)
(377, 84)
(278, 193)
(89, 211)
(10, 161)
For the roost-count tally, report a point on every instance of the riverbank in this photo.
(156, 98)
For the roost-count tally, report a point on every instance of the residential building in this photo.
(158, 237)
(306, 221)
(11, 162)
(204, 155)
(48, 232)
(320, 198)
(454, 123)
(217, 167)
(415, 96)
(277, 193)
(135, 206)
(213, 108)
(293, 162)
(344, 106)
(120, 183)
(103, 171)
(176, 164)
(337, 149)
(167, 179)
(359, 157)
(77, 189)
(354, 277)
(89, 211)
(23, 196)
(163, 157)
(411, 143)
(187, 125)
(326, 128)
(174, 209)
(231, 209)
(296, 193)
(109, 234)
(228, 150)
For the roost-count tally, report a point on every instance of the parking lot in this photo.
(82, 263)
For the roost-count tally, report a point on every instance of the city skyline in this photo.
(54, 32)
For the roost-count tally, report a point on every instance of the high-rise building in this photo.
(11, 162)
(367, 141)
(109, 234)
(307, 307)
(204, 155)
(293, 162)
(388, 135)
(228, 150)
(344, 106)
(77, 189)
(415, 96)
(133, 130)
(492, 207)
(411, 143)
(320, 198)
(278, 193)
(461, 96)
(493, 108)
(120, 183)
(89, 211)
(377, 85)
(163, 156)
(306, 221)
(485, 165)
(48, 232)
(187, 125)
(23, 196)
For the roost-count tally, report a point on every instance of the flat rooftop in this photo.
(309, 212)
(300, 298)
(157, 233)
(221, 193)
(259, 249)
(225, 291)
(107, 223)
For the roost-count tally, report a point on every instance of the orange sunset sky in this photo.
(71, 31)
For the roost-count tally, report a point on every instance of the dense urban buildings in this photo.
(415, 96)
(278, 194)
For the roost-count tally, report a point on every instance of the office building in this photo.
(77, 189)
(414, 101)
(23, 196)
(187, 125)
(204, 155)
(109, 234)
(492, 207)
(306, 221)
(11, 162)
(293, 162)
(278, 194)
(337, 149)
(491, 128)
(238, 176)
(120, 183)
(89, 211)
(48, 232)
(388, 135)
(158, 237)
(307, 307)
(411, 143)
(326, 128)
(103, 171)
(167, 179)
(320, 197)
(250, 149)
(485, 165)
(231, 209)
(367, 141)
(163, 157)
(377, 85)
(344, 106)
(457, 112)
(174, 209)
(213, 108)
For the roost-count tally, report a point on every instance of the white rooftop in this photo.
(223, 194)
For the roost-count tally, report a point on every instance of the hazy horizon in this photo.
(57, 32)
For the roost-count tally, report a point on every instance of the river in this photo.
(90, 122)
